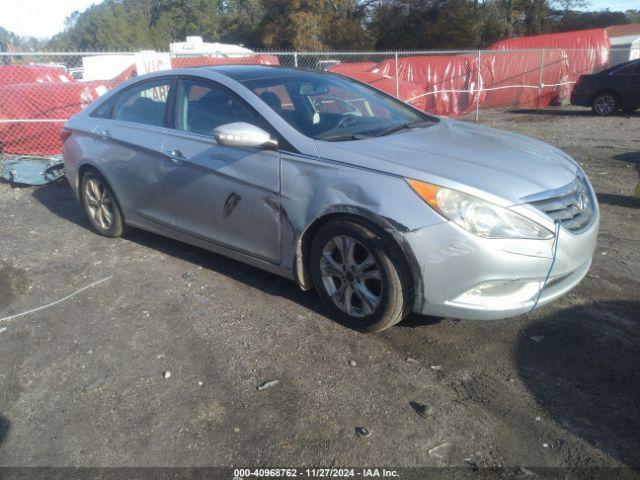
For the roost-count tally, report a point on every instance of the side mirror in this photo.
(241, 134)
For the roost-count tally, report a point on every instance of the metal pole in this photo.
(540, 80)
(295, 59)
(478, 89)
(397, 85)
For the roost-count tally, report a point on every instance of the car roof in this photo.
(245, 73)
(618, 66)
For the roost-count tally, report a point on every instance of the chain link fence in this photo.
(40, 90)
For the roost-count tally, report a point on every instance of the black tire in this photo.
(605, 103)
(391, 289)
(115, 227)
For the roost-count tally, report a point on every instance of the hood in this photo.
(479, 160)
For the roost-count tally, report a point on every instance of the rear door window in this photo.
(144, 103)
(105, 109)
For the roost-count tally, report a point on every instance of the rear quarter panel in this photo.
(78, 149)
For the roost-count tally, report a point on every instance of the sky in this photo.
(39, 18)
(45, 18)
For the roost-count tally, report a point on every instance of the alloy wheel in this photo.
(604, 104)
(99, 203)
(351, 276)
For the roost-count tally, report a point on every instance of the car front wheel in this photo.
(604, 104)
(360, 278)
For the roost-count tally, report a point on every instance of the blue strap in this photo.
(554, 249)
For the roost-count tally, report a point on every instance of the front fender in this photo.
(314, 190)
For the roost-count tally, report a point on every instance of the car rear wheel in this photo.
(605, 103)
(359, 277)
(100, 204)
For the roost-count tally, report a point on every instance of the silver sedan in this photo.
(384, 209)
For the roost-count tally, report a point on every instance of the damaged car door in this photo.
(224, 194)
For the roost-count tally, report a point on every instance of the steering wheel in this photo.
(351, 110)
(350, 114)
(349, 120)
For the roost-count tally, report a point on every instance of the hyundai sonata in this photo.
(384, 209)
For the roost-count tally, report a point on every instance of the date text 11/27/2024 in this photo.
(242, 473)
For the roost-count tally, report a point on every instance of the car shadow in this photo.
(252, 276)
(241, 272)
(618, 200)
(416, 320)
(59, 199)
(5, 425)
(629, 157)
(582, 366)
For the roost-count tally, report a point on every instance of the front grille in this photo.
(573, 206)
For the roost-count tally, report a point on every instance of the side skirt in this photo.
(180, 236)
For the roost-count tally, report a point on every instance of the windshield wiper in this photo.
(403, 126)
(343, 137)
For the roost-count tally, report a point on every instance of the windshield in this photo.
(330, 107)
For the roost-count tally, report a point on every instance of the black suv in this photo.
(608, 91)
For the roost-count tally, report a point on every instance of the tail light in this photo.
(64, 135)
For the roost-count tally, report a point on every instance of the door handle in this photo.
(105, 133)
(175, 156)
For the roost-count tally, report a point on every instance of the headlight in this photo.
(478, 216)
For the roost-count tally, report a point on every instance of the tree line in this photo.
(317, 25)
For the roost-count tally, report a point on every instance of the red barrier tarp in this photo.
(445, 78)
(586, 51)
(512, 80)
(444, 85)
(39, 96)
(41, 101)
(347, 69)
(407, 91)
(13, 74)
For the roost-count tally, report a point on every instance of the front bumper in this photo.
(580, 99)
(469, 277)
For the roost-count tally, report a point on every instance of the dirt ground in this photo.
(81, 382)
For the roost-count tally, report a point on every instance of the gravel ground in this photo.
(83, 383)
